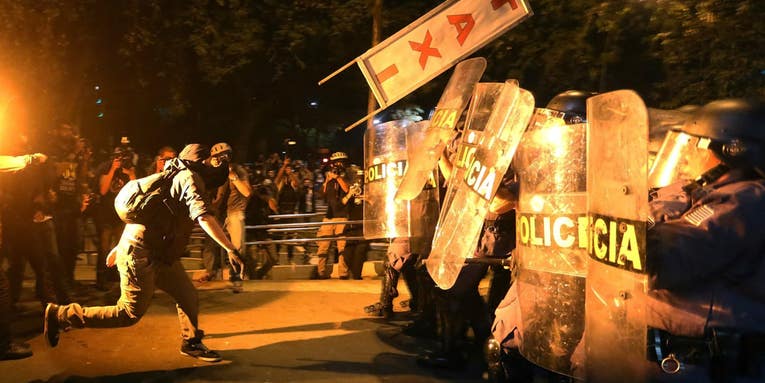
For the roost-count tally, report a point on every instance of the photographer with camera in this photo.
(113, 176)
(335, 187)
(288, 196)
(355, 252)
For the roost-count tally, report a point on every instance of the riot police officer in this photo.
(706, 253)
(549, 163)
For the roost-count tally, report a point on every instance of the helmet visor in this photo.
(682, 157)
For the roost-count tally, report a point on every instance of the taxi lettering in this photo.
(618, 242)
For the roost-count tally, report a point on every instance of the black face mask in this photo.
(212, 177)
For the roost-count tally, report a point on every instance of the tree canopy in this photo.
(172, 71)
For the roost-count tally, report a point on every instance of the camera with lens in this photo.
(126, 160)
(338, 169)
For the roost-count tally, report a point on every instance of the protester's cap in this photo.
(219, 148)
(194, 153)
(338, 156)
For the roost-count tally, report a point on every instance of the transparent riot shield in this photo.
(484, 98)
(617, 204)
(423, 209)
(385, 162)
(457, 235)
(551, 240)
(441, 129)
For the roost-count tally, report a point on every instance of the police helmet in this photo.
(736, 128)
(573, 103)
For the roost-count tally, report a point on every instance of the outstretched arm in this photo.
(12, 164)
(210, 225)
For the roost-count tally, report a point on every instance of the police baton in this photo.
(504, 262)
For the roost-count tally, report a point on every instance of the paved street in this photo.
(275, 331)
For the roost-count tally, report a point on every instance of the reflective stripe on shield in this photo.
(551, 240)
(441, 128)
(617, 204)
(458, 233)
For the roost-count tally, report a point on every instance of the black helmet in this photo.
(573, 103)
(736, 129)
(728, 120)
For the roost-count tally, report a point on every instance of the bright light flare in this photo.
(554, 134)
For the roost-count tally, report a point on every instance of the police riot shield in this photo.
(482, 103)
(551, 240)
(423, 209)
(385, 161)
(441, 129)
(617, 205)
(457, 235)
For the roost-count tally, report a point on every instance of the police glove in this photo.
(669, 203)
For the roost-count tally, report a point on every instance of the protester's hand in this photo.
(116, 164)
(287, 161)
(235, 260)
(111, 259)
(87, 199)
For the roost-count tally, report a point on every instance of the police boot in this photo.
(409, 273)
(449, 355)
(388, 292)
(424, 324)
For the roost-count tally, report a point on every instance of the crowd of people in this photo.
(61, 208)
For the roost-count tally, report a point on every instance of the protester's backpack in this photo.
(143, 199)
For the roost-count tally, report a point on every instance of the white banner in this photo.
(433, 43)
